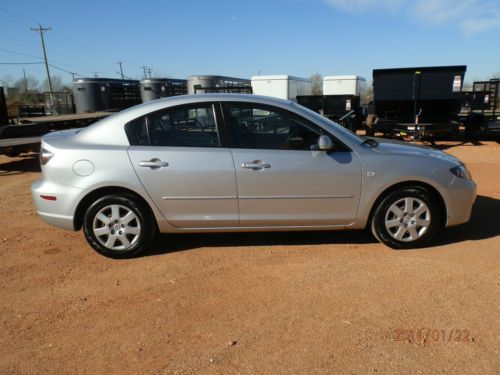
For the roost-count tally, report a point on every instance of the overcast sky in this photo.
(178, 38)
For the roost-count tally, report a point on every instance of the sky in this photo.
(239, 38)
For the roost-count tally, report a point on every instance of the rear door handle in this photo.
(153, 163)
(255, 165)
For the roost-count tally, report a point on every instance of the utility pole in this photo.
(73, 75)
(149, 72)
(144, 68)
(121, 69)
(41, 30)
(25, 82)
(95, 74)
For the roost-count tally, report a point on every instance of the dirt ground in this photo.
(302, 303)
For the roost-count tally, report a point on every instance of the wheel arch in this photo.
(92, 196)
(404, 184)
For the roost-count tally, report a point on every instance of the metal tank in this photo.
(156, 88)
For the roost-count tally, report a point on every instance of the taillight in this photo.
(45, 156)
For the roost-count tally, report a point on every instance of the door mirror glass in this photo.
(325, 143)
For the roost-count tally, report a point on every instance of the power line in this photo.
(20, 63)
(57, 61)
(65, 71)
(30, 20)
(19, 53)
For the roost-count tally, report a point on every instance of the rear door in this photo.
(179, 157)
(283, 180)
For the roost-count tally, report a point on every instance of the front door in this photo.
(283, 180)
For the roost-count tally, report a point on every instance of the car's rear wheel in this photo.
(118, 226)
(406, 218)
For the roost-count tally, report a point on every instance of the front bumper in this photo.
(461, 195)
(59, 212)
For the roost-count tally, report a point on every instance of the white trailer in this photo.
(344, 85)
(281, 86)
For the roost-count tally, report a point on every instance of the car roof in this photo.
(210, 97)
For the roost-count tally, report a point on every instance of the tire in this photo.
(393, 224)
(119, 226)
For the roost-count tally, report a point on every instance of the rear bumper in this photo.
(59, 212)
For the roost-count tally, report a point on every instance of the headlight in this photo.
(461, 171)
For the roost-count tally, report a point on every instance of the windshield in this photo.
(333, 125)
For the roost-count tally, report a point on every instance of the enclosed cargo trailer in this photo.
(281, 86)
(344, 85)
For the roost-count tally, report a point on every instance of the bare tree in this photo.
(316, 84)
(367, 95)
(57, 84)
(7, 80)
(30, 85)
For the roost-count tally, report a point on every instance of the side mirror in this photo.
(325, 143)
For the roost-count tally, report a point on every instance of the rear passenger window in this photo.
(176, 127)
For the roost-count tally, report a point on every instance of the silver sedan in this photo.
(227, 162)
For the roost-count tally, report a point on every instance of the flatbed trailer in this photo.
(26, 137)
(483, 103)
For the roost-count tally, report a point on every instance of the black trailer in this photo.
(344, 109)
(105, 94)
(209, 83)
(418, 103)
(483, 105)
(156, 88)
(4, 116)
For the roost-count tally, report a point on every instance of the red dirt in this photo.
(250, 303)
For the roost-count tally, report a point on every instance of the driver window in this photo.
(266, 128)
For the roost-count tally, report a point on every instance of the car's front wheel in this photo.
(118, 226)
(406, 218)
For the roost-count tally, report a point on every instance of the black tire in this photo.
(143, 224)
(430, 219)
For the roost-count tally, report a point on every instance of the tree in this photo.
(31, 84)
(7, 80)
(57, 84)
(367, 95)
(316, 84)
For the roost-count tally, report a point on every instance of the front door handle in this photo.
(153, 163)
(256, 165)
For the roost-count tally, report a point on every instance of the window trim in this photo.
(133, 141)
(225, 108)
